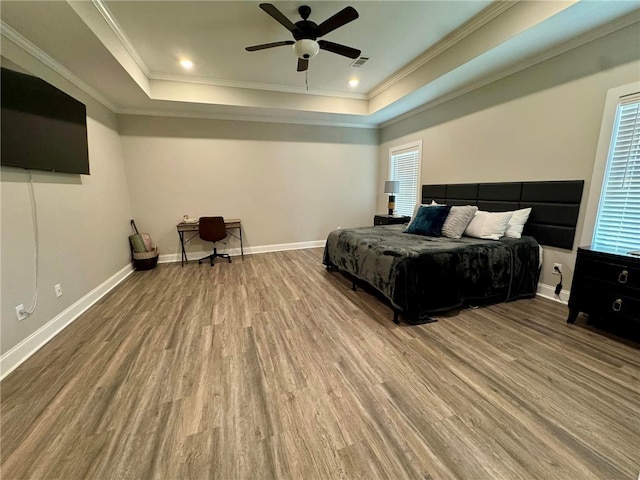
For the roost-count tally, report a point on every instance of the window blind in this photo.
(618, 221)
(405, 169)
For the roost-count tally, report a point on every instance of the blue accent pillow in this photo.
(429, 220)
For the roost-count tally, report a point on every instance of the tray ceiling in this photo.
(126, 54)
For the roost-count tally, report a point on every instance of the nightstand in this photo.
(607, 286)
(390, 219)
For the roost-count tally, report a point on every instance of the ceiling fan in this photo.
(305, 32)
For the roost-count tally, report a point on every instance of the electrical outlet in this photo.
(58, 289)
(20, 312)
(557, 268)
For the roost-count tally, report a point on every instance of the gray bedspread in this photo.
(421, 275)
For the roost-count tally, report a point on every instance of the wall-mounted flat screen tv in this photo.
(42, 127)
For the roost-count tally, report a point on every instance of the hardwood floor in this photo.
(274, 368)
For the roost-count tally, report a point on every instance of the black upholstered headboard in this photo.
(554, 205)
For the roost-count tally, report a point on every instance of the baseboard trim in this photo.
(278, 247)
(21, 352)
(548, 291)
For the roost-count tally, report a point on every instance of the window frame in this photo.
(602, 156)
(417, 144)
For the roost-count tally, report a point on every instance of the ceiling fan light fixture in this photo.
(306, 48)
(305, 32)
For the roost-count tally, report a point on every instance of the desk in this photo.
(230, 224)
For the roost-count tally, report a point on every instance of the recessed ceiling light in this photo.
(186, 64)
(354, 82)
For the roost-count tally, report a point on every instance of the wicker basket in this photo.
(146, 260)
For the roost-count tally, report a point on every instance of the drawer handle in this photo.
(622, 278)
(617, 305)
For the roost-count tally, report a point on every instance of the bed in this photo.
(421, 275)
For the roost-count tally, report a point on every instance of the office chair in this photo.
(212, 229)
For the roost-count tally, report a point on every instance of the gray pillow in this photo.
(457, 221)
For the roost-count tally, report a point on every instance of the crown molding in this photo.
(117, 30)
(13, 36)
(172, 77)
(246, 118)
(481, 19)
(595, 34)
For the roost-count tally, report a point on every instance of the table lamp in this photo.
(392, 187)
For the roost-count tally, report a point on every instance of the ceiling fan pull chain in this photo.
(306, 79)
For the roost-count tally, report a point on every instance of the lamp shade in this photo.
(306, 48)
(391, 186)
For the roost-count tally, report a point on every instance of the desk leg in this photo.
(183, 257)
(241, 250)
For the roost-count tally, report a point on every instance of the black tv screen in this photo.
(42, 127)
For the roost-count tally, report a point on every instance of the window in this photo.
(404, 167)
(617, 227)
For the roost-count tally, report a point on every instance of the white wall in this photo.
(82, 224)
(540, 124)
(287, 183)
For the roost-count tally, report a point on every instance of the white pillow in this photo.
(516, 224)
(488, 225)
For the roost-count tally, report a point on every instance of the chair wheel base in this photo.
(212, 258)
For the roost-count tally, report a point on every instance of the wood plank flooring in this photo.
(272, 368)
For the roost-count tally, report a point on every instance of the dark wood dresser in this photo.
(390, 219)
(606, 286)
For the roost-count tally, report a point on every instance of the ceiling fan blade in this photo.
(253, 48)
(344, 16)
(303, 64)
(339, 49)
(279, 17)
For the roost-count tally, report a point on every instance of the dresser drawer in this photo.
(609, 304)
(624, 276)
